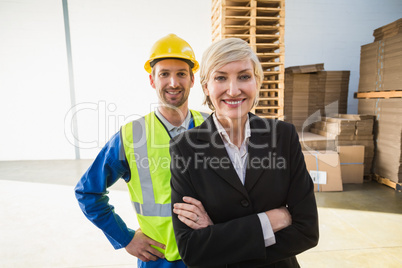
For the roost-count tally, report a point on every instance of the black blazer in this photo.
(276, 176)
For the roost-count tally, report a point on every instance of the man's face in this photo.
(172, 80)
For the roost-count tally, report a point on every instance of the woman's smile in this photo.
(234, 103)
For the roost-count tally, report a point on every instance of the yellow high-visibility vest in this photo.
(146, 146)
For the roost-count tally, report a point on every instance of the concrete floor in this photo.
(42, 226)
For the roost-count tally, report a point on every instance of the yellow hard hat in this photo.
(171, 46)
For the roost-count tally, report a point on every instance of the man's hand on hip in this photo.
(140, 247)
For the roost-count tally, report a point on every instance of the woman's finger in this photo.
(185, 213)
(194, 202)
(188, 207)
(188, 222)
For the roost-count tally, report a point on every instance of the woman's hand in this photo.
(192, 213)
(279, 218)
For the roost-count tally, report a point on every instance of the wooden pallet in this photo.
(261, 24)
(387, 182)
(378, 94)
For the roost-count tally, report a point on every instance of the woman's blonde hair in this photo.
(223, 52)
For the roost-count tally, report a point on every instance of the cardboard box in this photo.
(352, 163)
(352, 173)
(324, 168)
(351, 154)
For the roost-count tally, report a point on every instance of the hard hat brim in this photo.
(194, 68)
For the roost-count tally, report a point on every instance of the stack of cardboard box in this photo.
(381, 72)
(301, 91)
(388, 136)
(349, 129)
(388, 30)
(314, 142)
(303, 69)
(330, 169)
(381, 64)
(334, 87)
(311, 92)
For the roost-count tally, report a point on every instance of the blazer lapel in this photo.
(215, 152)
(258, 148)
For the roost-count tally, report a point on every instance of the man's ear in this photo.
(192, 80)
(151, 81)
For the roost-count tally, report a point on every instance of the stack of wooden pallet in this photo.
(311, 92)
(349, 129)
(380, 94)
(260, 23)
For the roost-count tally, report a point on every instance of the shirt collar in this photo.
(171, 127)
(222, 132)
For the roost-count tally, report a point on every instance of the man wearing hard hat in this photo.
(139, 153)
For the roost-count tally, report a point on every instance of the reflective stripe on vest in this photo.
(139, 145)
(149, 207)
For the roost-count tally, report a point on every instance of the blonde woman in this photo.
(241, 194)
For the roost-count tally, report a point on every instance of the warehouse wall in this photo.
(110, 43)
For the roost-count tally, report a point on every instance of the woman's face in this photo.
(232, 89)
